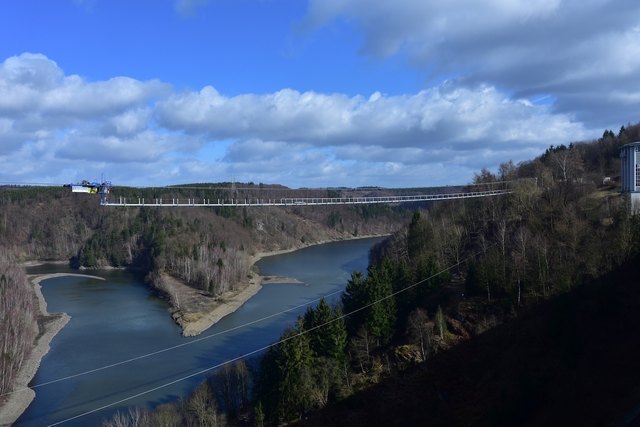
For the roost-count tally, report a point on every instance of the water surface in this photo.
(119, 319)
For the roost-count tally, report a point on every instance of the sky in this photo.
(306, 93)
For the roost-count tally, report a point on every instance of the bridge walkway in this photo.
(298, 201)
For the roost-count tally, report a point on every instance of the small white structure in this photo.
(630, 173)
(80, 189)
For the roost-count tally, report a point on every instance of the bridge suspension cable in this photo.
(348, 197)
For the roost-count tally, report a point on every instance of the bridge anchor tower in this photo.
(630, 174)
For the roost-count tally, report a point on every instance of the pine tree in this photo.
(339, 337)
(354, 299)
(327, 331)
(328, 339)
(294, 364)
(418, 235)
(381, 315)
(401, 281)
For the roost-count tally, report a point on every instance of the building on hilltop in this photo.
(630, 173)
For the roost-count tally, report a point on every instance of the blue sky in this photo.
(238, 46)
(306, 92)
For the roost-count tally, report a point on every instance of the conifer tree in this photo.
(294, 364)
(354, 299)
(327, 331)
(381, 315)
(418, 235)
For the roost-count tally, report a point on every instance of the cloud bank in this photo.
(59, 128)
(583, 54)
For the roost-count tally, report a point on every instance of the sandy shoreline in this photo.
(36, 263)
(231, 301)
(49, 325)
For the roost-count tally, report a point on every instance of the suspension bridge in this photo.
(219, 195)
(343, 197)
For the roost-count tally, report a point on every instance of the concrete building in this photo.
(630, 173)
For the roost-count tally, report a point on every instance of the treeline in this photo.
(210, 249)
(228, 390)
(332, 352)
(455, 271)
(18, 327)
(46, 223)
(207, 248)
(567, 229)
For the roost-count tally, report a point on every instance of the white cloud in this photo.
(63, 128)
(76, 98)
(257, 150)
(146, 146)
(283, 115)
(513, 77)
(572, 49)
(443, 116)
(188, 7)
(129, 122)
(56, 125)
(34, 87)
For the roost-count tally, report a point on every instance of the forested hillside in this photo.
(569, 361)
(208, 249)
(457, 271)
(506, 261)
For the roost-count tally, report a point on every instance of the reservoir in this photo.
(119, 319)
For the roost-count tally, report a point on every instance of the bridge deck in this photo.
(301, 201)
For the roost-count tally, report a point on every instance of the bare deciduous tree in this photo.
(421, 331)
(18, 313)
